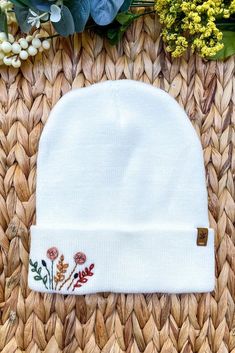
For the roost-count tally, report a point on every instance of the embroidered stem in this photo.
(44, 264)
(49, 277)
(67, 279)
(52, 254)
(52, 264)
(70, 284)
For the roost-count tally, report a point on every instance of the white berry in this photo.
(11, 38)
(29, 38)
(24, 55)
(16, 63)
(32, 51)
(36, 43)
(16, 48)
(6, 47)
(46, 44)
(7, 61)
(23, 43)
(2, 55)
(3, 36)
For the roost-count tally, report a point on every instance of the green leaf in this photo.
(33, 270)
(39, 270)
(229, 46)
(80, 11)
(114, 35)
(3, 21)
(23, 3)
(37, 278)
(45, 279)
(35, 264)
(125, 18)
(30, 262)
(104, 12)
(65, 26)
(22, 16)
(41, 5)
(226, 24)
(123, 21)
(125, 6)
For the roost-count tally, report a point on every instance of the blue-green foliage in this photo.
(74, 13)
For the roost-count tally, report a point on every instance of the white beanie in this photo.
(121, 201)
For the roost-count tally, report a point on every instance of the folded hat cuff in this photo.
(82, 261)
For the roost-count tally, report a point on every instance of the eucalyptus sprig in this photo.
(109, 17)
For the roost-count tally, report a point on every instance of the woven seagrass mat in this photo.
(32, 322)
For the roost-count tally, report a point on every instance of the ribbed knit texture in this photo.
(121, 180)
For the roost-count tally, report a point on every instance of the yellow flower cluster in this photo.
(193, 23)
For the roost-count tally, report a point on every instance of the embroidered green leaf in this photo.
(37, 278)
(38, 270)
(45, 279)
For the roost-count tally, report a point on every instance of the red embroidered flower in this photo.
(79, 258)
(52, 253)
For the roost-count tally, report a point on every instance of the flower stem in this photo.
(143, 4)
(145, 13)
(50, 37)
(67, 279)
(49, 276)
(52, 265)
(70, 283)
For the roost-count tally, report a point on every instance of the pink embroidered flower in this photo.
(52, 253)
(79, 258)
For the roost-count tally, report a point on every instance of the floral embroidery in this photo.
(81, 275)
(52, 253)
(74, 279)
(79, 258)
(61, 270)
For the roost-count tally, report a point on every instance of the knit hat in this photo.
(121, 201)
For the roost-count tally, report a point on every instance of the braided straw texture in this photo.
(111, 323)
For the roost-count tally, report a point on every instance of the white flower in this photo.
(55, 13)
(35, 19)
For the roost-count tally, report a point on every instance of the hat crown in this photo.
(120, 153)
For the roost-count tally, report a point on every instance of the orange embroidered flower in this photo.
(52, 253)
(79, 258)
